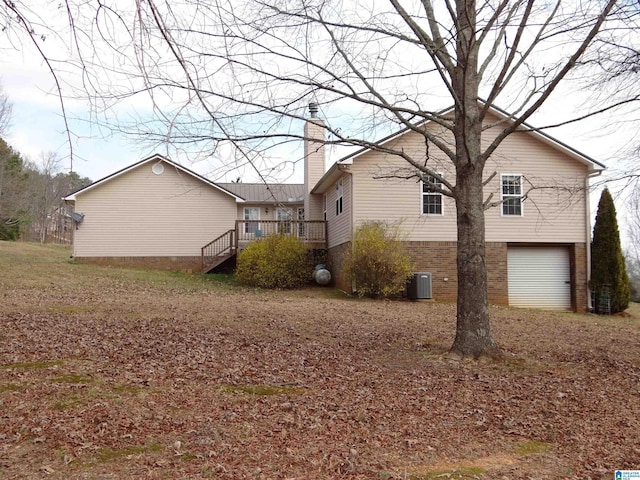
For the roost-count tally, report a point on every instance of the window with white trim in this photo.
(251, 217)
(339, 191)
(283, 216)
(511, 194)
(431, 199)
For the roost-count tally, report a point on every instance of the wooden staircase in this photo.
(218, 251)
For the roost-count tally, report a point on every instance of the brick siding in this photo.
(579, 277)
(439, 258)
(186, 264)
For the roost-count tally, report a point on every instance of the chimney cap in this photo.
(313, 109)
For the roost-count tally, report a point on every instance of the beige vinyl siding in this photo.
(313, 207)
(314, 158)
(555, 213)
(143, 214)
(339, 227)
(398, 201)
(555, 210)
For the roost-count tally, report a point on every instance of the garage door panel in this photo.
(539, 277)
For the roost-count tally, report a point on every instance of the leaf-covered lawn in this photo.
(114, 373)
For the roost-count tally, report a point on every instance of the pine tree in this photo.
(608, 272)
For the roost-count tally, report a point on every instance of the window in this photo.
(283, 216)
(511, 194)
(339, 191)
(301, 223)
(251, 217)
(431, 200)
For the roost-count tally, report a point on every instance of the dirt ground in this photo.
(112, 373)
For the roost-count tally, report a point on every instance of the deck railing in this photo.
(313, 233)
(309, 231)
(214, 250)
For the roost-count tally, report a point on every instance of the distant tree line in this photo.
(31, 205)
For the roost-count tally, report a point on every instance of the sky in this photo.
(37, 127)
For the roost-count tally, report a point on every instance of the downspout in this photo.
(587, 201)
(347, 169)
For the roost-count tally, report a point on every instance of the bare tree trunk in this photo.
(473, 328)
(474, 338)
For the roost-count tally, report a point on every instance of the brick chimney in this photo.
(313, 163)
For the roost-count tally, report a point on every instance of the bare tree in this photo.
(44, 193)
(632, 252)
(13, 180)
(237, 76)
(6, 110)
(220, 72)
(28, 25)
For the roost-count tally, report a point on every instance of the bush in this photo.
(378, 262)
(277, 261)
(9, 229)
(608, 273)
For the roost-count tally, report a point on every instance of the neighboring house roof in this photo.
(153, 158)
(335, 170)
(267, 193)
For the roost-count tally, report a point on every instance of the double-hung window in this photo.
(283, 216)
(251, 220)
(339, 191)
(431, 199)
(511, 194)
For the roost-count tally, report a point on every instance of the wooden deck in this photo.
(313, 234)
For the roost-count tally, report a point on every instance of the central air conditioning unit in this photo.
(419, 286)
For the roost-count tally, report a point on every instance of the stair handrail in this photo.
(218, 246)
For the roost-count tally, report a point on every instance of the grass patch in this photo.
(124, 389)
(70, 309)
(91, 393)
(263, 390)
(221, 278)
(12, 387)
(463, 473)
(67, 404)
(107, 454)
(31, 365)
(73, 378)
(68, 399)
(531, 447)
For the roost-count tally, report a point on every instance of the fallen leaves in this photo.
(136, 378)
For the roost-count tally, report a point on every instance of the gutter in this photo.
(587, 201)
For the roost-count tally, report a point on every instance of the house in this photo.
(157, 213)
(154, 213)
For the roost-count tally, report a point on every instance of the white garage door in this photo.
(539, 277)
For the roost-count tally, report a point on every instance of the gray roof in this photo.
(266, 193)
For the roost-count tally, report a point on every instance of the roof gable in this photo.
(334, 171)
(502, 115)
(153, 158)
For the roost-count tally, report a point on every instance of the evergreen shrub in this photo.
(609, 279)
